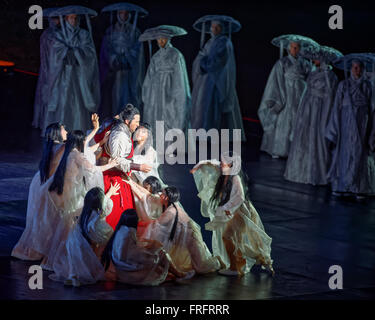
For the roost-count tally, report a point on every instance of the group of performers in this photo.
(72, 83)
(325, 128)
(97, 207)
(98, 210)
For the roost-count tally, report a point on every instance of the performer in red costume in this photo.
(120, 146)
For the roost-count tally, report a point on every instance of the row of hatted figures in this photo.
(69, 89)
(98, 210)
(326, 129)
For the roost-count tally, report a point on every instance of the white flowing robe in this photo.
(245, 226)
(75, 258)
(64, 209)
(166, 91)
(280, 102)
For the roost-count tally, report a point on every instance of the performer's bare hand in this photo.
(95, 121)
(113, 162)
(145, 168)
(113, 190)
(192, 171)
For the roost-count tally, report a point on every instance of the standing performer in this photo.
(214, 98)
(41, 94)
(39, 224)
(120, 147)
(351, 131)
(238, 237)
(281, 97)
(73, 77)
(122, 65)
(166, 91)
(308, 156)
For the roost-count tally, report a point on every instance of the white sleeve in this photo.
(213, 162)
(120, 147)
(237, 196)
(107, 207)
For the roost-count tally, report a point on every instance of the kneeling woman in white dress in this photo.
(179, 234)
(238, 233)
(73, 178)
(78, 258)
(137, 261)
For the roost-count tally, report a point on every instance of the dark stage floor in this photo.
(310, 231)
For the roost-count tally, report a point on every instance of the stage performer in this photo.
(238, 237)
(138, 261)
(73, 74)
(120, 146)
(351, 132)
(214, 97)
(122, 63)
(41, 94)
(282, 94)
(166, 90)
(180, 235)
(74, 176)
(38, 230)
(78, 259)
(308, 155)
(145, 153)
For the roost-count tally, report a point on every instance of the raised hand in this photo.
(113, 190)
(95, 121)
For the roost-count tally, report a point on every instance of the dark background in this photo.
(255, 55)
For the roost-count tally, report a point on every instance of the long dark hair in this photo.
(154, 183)
(51, 137)
(128, 218)
(221, 194)
(75, 140)
(173, 196)
(147, 144)
(93, 201)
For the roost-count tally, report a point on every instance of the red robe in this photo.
(124, 200)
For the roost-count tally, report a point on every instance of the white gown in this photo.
(40, 221)
(76, 259)
(151, 158)
(137, 261)
(187, 249)
(244, 225)
(80, 177)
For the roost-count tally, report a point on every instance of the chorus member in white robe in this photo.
(238, 237)
(32, 243)
(78, 259)
(308, 158)
(166, 90)
(285, 86)
(351, 133)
